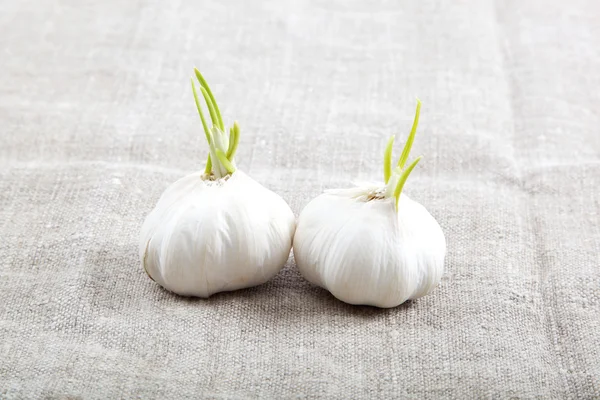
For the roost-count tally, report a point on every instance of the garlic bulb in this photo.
(216, 230)
(372, 244)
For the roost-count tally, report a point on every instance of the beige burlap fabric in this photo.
(97, 119)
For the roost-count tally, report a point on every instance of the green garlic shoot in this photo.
(395, 178)
(222, 147)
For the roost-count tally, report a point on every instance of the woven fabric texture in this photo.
(97, 119)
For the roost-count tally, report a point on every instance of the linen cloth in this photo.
(97, 119)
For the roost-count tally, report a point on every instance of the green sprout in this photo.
(222, 147)
(396, 178)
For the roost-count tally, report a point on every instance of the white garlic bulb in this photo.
(217, 230)
(371, 244)
(205, 236)
(364, 252)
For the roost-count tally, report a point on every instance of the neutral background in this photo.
(97, 119)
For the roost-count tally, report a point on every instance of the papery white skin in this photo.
(364, 251)
(205, 237)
